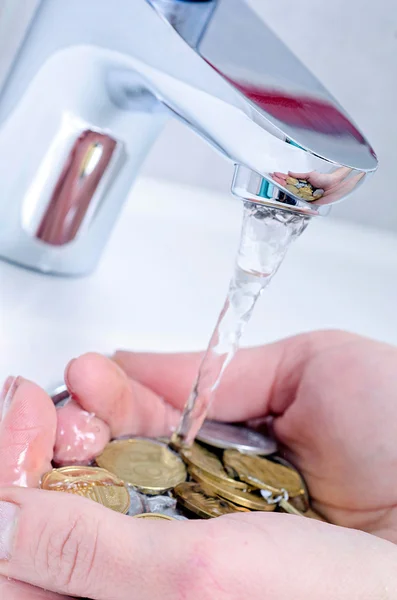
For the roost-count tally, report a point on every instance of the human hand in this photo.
(318, 559)
(334, 186)
(332, 395)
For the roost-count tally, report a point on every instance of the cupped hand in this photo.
(335, 185)
(332, 395)
(321, 389)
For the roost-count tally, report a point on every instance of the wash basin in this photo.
(163, 278)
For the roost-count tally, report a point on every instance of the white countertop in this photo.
(164, 275)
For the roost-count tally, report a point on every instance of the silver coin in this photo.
(163, 505)
(159, 504)
(222, 435)
(137, 506)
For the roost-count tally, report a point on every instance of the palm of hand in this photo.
(340, 426)
(332, 395)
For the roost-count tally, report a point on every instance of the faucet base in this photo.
(80, 155)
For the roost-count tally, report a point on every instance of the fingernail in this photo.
(67, 374)
(10, 387)
(8, 520)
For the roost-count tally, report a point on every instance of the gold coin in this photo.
(201, 458)
(163, 440)
(96, 484)
(302, 501)
(263, 473)
(149, 466)
(292, 180)
(292, 188)
(230, 482)
(198, 499)
(239, 497)
(154, 516)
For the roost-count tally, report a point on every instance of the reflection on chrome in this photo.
(76, 187)
(122, 68)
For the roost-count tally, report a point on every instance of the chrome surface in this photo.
(78, 191)
(15, 20)
(118, 70)
(189, 19)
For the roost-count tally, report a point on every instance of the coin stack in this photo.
(229, 469)
(304, 189)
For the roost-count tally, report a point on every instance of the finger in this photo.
(280, 175)
(73, 546)
(81, 436)
(26, 441)
(15, 590)
(262, 380)
(340, 174)
(280, 180)
(173, 376)
(102, 388)
(131, 407)
(323, 179)
(299, 175)
(70, 545)
(341, 188)
(130, 399)
(27, 434)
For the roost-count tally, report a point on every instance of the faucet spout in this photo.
(257, 103)
(121, 69)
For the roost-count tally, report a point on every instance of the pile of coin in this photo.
(230, 469)
(304, 189)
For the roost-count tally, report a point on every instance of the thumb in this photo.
(73, 546)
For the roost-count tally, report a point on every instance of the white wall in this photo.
(351, 45)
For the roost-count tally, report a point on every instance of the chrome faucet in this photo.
(87, 85)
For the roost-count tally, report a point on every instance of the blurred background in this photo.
(352, 47)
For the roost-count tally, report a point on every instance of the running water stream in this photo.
(266, 235)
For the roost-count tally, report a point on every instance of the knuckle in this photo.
(67, 555)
